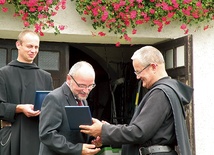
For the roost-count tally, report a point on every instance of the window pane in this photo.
(3, 54)
(169, 59)
(14, 54)
(48, 60)
(180, 56)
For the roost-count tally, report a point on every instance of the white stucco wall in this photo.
(203, 95)
(203, 54)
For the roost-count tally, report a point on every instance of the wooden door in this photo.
(178, 57)
(54, 58)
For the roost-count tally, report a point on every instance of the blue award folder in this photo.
(40, 95)
(78, 115)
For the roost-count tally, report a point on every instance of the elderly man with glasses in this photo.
(158, 124)
(55, 134)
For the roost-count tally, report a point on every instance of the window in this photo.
(48, 60)
(169, 59)
(14, 54)
(3, 57)
(180, 56)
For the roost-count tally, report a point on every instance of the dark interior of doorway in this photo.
(100, 98)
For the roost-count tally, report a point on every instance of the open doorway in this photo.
(99, 98)
(178, 57)
(113, 99)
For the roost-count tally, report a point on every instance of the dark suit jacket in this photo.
(55, 135)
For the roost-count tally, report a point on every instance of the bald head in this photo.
(148, 55)
(82, 68)
(81, 79)
(149, 65)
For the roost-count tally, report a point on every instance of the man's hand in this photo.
(89, 149)
(27, 109)
(97, 142)
(92, 130)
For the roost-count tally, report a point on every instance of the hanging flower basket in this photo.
(118, 16)
(36, 13)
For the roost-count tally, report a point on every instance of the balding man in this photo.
(55, 134)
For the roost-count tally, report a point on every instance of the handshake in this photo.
(94, 130)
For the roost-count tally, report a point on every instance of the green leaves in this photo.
(38, 14)
(123, 15)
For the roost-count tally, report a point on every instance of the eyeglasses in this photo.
(82, 86)
(137, 73)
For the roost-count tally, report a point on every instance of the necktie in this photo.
(79, 102)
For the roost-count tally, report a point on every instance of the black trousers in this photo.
(5, 141)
